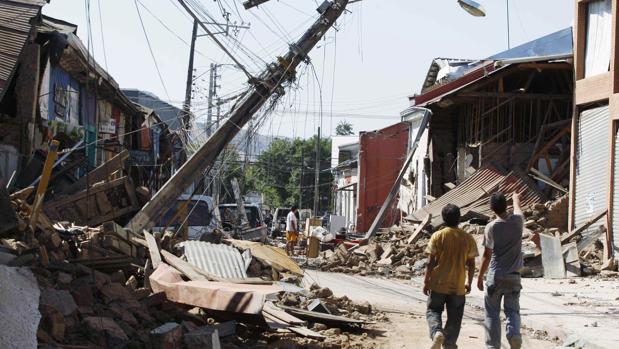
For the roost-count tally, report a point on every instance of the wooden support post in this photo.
(239, 202)
(52, 154)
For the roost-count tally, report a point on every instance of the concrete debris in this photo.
(19, 300)
(388, 254)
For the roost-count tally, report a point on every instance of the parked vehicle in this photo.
(199, 216)
(278, 227)
(230, 222)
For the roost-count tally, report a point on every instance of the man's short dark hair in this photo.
(293, 208)
(451, 215)
(498, 203)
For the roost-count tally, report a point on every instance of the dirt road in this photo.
(405, 306)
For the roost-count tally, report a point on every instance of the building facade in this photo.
(595, 147)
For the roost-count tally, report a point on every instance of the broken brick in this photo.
(167, 336)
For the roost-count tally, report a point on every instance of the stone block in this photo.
(167, 336)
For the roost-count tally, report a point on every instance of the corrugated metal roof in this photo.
(472, 194)
(222, 260)
(556, 44)
(15, 27)
(469, 191)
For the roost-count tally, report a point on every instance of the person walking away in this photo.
(503, 260)
(449, 274)
(292, 230)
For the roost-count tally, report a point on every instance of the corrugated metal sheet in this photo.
(222, 260)
(381, 156)
(592, 154)
(15, 27)
(473, 193)
(616, 198)
(469, 191)
(515, 182)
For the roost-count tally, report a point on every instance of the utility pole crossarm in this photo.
(253, 3)
(260, 90)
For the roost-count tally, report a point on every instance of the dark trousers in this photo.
(437, 302)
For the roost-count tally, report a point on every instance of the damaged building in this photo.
(510, 112)
(53, 89)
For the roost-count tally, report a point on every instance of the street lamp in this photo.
(472, 7)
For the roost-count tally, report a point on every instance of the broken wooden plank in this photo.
(582, 228)
(306, 332)
(547, 180)
(417, 233)
(552, 257)
(280, 314)
(153, 249)
(185, 268)
(52, 154)
(100, 173)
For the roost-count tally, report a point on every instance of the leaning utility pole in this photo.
(260, 90)
(317, 175)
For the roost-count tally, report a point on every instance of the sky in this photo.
(362, 72)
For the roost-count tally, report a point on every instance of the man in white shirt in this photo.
(292, 230)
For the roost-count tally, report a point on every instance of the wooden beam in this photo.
(100, 173)
(545, 66)
(548, 145)
(153, 249)
(52, 154)
(417, 233)
(515, 95)
(182, 266)
(582, 228)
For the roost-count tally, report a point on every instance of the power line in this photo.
(151, 49)
(102, 36)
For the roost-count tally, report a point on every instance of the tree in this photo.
(344, 128)
(285, 172)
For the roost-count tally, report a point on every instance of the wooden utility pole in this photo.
(317, 175)
(212, 92)
(189, 83)
(240, 204)
(301, 182)
(261, 88)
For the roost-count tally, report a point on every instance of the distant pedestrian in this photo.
(292, 230)
(449, 274)
(503, 254)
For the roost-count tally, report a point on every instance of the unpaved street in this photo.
(562, 314)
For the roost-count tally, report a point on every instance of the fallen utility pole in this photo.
(260, 90)
(394, 189)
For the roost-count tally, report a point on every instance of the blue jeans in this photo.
(507, 288)
(437, 302)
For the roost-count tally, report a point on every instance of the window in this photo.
(598, 38)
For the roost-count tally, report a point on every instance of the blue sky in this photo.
(364, 71)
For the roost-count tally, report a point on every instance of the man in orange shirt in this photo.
(452, 252)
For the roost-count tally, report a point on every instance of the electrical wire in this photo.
(150, 49)
(102, 35)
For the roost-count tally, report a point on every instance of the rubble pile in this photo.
(101, 287)
(340, 335)
(388, 254)
(81, 306)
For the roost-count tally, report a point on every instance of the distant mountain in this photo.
(257, 145)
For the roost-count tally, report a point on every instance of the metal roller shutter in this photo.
(592, 154)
